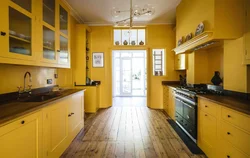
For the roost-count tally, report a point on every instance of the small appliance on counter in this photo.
(92, 82)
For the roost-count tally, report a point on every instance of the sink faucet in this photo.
(20, 92)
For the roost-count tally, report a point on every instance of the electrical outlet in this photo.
(49, 81)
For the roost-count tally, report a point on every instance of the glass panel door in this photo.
(63, 20)
(26, 4)
(64, 54)
(19, 33)
(48, 44)
(126, 76)
(49, 12)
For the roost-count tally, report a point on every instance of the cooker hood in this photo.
(203, 41)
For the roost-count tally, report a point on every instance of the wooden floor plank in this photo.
(128, 131)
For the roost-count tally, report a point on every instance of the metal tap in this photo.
(20, 92)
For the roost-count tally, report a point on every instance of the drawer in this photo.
(237, 137)
(226, 150)
(207, 106)
(236, 118)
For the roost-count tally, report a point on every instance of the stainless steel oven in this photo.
(186, 113)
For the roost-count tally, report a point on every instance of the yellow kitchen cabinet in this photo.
(180, 62)
(247, 34)
(207, 128)
(22, 138)
(55, 130)
(18, 32)
(171, 103)
(76, 115)
(165, 98)
(91, 98)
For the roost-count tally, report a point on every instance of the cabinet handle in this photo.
(228, 133)
(205, 114)
(3, 33)
(58, 50)
(69, 115)
(23, 122)
(228, 116)
(228, 156)
(72, 113)
(205, 106)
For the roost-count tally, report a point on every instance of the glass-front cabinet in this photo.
(35, 32)
(17, 34)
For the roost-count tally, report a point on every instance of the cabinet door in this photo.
(22, 138)
(75, 112)
(171, 104)
(55, 129)
(207, 131)
(247, 35)
(17, 39)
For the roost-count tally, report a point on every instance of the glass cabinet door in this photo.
(63, 20)
(49, 12)
(63, 54)
(19, 32)
(48, 44)
(26, 4)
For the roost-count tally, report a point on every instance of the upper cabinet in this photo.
(35, 32)
(219, 18)
(180, 61)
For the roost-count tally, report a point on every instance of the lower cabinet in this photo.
(171, 103)
(46, 133)
(22, 138)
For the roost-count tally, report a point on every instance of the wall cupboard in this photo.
(35, 32)
(45, 133)
(180, 62)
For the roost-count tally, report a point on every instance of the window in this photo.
(129, 37)
(159, 62)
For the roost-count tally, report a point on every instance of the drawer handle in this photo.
(228, 133)
(205, 114)
(228, 116)
(72, 113)
(3, 33)
(23, 122)
(69, 115)
(228, 156)
(206, 106)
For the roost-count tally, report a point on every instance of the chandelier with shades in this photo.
(135, 12)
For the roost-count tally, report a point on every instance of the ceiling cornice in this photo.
(74, 13)
(135, 24)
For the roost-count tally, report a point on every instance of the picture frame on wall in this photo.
(98, 60)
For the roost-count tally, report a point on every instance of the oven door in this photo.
(178, 106)
(189, 113)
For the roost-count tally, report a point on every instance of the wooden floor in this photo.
(128, 132)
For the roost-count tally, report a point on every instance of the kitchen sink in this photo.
(41, 98)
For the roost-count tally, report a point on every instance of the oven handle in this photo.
(188, 105)
(183, 98)
(178, 100)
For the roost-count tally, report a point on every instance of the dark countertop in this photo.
(228, 101)
(15, 109)
(173, 84)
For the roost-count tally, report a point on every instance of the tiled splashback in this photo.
(13, 76)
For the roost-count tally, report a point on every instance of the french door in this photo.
(129, 73)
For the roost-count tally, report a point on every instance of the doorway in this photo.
(129, 74)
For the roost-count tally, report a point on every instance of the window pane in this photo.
(49, 12)
(64, 54)
(141, 36)
(158, 62)
(133, 37)
(117, 37)
(48, 43)
(125, 37)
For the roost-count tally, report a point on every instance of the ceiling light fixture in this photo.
(135, 13)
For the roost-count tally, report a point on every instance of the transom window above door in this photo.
(129, 37)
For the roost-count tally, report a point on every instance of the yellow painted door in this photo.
(75, 111)
(55, 129)
(207, 133)
(18, 25)
(22, 138)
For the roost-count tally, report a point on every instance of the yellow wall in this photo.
(159, 36)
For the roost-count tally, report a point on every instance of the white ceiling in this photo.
(98, 12)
